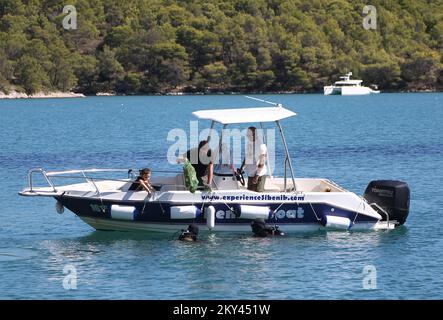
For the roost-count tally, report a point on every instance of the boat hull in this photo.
(157, 216)
(348, 91)
(118, 225)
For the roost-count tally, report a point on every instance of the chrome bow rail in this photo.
(70, 174)
(76, 174)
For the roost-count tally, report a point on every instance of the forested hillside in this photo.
(150, 46)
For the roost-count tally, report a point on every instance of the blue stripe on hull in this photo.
(154, 212)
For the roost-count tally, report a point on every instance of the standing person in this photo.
(203, 165)
(142, 182)
(255, 161)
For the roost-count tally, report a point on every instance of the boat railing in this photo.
(44, 174)
(378, 208)
(336, 185)
(83, 174)
(71, 174)
(382, 210)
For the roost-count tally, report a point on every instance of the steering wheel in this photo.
(239, 176)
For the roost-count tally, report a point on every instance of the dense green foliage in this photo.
(147, 46)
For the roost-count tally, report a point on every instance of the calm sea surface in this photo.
(351, 140)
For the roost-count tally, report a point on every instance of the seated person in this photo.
(142, 182)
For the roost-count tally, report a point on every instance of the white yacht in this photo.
(348, 87)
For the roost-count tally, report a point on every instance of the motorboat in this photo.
(348, 87)
(290, 202)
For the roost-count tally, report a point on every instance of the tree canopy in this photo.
(152, 46)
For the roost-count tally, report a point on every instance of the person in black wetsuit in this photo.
(142, 182)
(201, 160)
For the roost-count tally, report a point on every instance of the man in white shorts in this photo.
(255, 161)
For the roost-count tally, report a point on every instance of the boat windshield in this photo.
(347, 84)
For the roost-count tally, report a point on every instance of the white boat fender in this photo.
(123, 212)
(185, 212)
(59, 207)
(210, 217)
(335, 222)
(254, 212)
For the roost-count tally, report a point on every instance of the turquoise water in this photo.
(351, 140)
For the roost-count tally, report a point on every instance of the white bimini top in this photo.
(245, 115)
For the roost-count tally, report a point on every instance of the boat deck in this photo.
(176, 183)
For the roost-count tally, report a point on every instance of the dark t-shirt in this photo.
(136, 185)
(200, 167)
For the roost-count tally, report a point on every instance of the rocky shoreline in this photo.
(48, 95)
(40, 95)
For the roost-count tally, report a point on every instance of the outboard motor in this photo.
(393, 196)
(260, 229)
(190, 234)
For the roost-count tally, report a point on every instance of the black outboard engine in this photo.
(260, 229)
(392, 196)
(190, 234)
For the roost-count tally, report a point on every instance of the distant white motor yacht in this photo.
(348, 87)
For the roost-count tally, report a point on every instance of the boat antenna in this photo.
(265, 101)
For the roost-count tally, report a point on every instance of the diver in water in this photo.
(190, 234)
(260, 229)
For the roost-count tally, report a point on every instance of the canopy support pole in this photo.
(220, 143)
(287, 155)
(210, 130)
